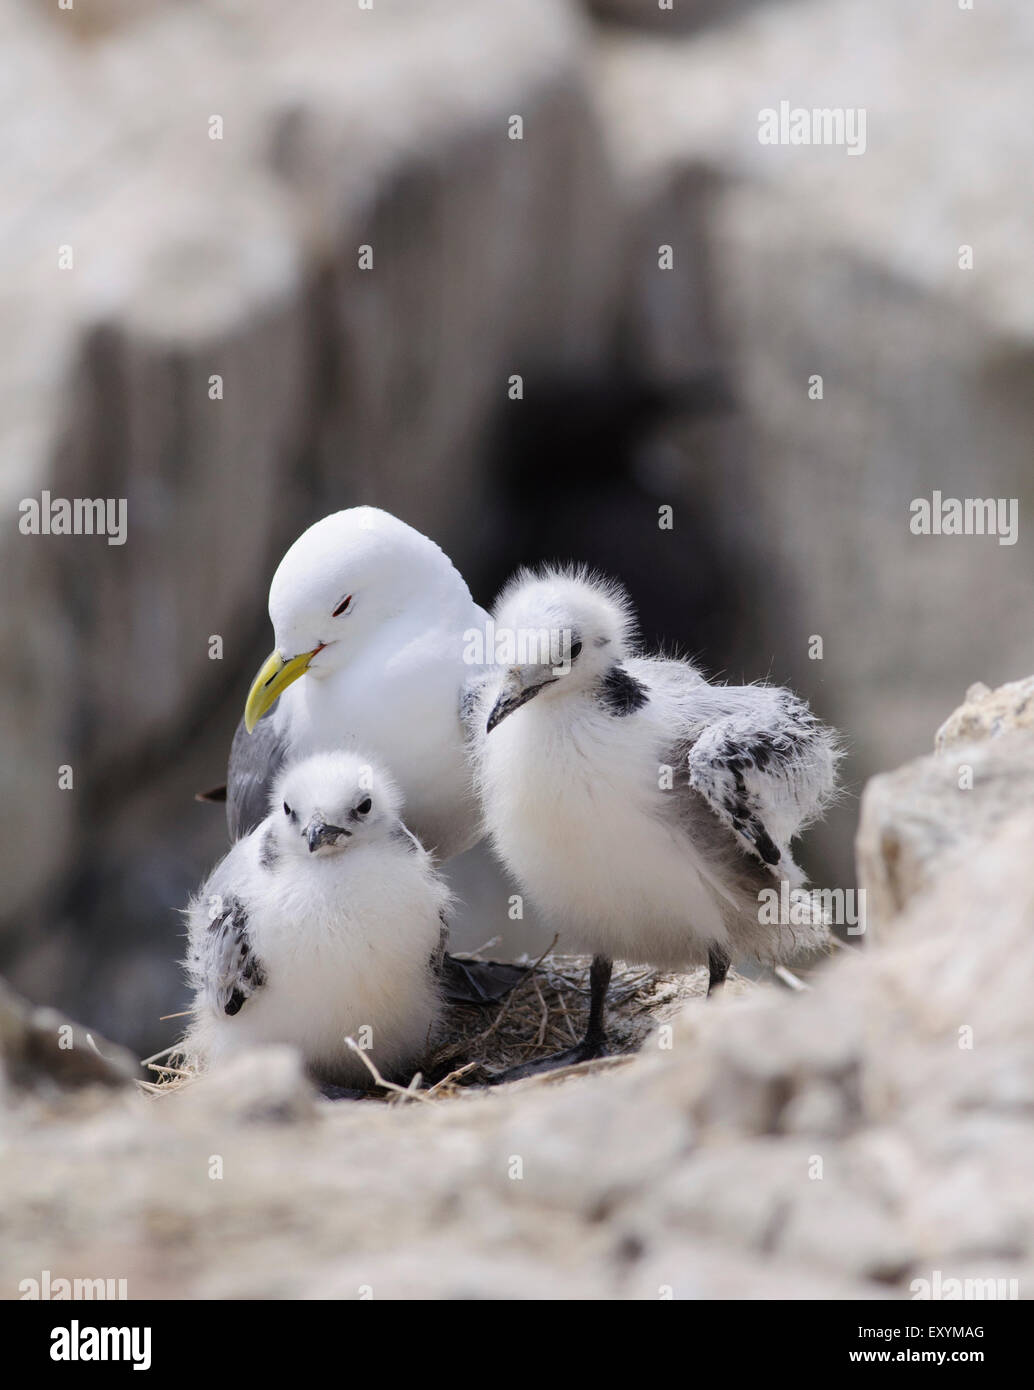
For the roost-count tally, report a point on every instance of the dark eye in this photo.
(575, 649)
(287, 810)
(342, 607)
(364, 806)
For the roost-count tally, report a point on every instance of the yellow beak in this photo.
(276, 675)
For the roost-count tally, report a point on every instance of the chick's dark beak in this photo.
(512, 696)
(318, 833)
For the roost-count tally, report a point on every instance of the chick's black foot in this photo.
(718, 963)
(585, 1051)
(591, 1046)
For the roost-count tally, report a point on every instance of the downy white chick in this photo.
(324, 922)
(639, 807)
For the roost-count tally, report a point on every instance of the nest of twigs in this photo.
(547, 1012)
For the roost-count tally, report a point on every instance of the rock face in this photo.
(934, 814)
(41, 1050)
(988, 713)
(847, 1142)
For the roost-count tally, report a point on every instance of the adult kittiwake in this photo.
(373, 615)
(325, 922)
(641, 808)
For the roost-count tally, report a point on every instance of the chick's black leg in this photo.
(599, 982)
(718, 965)
(592, 1045)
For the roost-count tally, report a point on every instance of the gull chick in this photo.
(641, 808)
(369, 618)
(325, 922)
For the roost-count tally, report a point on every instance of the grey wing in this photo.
(255, 760)
(761, 760)
(223, 964)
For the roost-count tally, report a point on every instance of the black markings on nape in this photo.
(620, 693)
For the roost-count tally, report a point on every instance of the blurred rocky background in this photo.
(238, 258)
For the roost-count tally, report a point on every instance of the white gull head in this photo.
(369, 617)
(347, 576)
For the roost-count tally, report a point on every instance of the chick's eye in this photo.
(575, 649)
(287, 810)
(364, 806)
(343, 606)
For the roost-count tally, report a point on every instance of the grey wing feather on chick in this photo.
(761, 760)
(228, 968)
